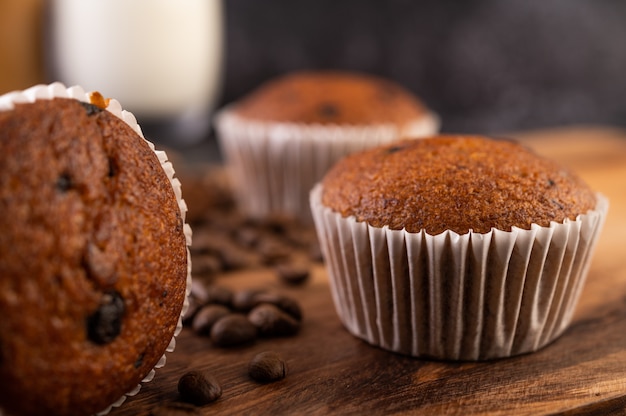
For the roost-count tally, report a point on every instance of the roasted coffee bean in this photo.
(175, 409)
(273, 251)
(232, 330)
(219, 295)
(192, 309)
(266, 367)
(292, 274)
(247, 237)
(271, 321)
(207, 316)
(105, 324)
(244, 300)
(199, 388)
(206, 264)
(287, 304)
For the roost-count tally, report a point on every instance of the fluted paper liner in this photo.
(58, 90)
(456, 296)
(274, 165)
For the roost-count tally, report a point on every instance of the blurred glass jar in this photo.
(162, 59)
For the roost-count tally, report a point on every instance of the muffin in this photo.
(456, 247)
(94, 260)
(280, 139)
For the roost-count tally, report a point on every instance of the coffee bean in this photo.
(207, 316)
(272, 321)
(286, 304)
(233, 330)
(206, 264)
(199, 388)
(266, 367)
(292, 274)
(175, 409)
(273, 250)
(244, 300)
(219, 295)
(105, 324)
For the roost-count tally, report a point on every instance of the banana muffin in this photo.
(280, 139)
(94, 263)
(456, 247)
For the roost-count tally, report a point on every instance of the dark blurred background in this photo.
(485, 66)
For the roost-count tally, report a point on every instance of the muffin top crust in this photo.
(456, 183)
(331, 97)
(94, 262)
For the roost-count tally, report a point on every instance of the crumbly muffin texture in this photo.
(455, 183)
(331, 97)
(93, 262)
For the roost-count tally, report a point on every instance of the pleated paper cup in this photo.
(274, 165)
(58, 90)
(456, 296)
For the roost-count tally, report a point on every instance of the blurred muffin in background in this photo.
(282, 138)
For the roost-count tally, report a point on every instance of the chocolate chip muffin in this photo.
(280, 139)
(94, 264)
(459, 248)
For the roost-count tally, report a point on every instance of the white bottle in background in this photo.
(162, 59)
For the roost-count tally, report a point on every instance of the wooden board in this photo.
(331, 372)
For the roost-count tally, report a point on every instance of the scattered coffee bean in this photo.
(292, 274)
(175, 409)
(199, 388)
(206, 264)
(266, 367)
(287, 304)
(105, 324)
(233, 330)
(219, 295)
(273, 250)
(246, 299)
(271, 321)
(207, 316)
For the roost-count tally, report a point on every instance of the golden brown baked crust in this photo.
(331, 97)
(93, 260)
(454, 183)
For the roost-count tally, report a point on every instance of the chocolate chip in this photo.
(206, 317)
(271, 321)
(139, 360)
(113, 169)
(266, 367)
(175, 409)
(64, 182)
(91, 109)
(551, 183)
(105, 324)
(328, 110)
(199, 388)
(393, 149)
(233, 330)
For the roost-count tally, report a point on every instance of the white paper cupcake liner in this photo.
(275, 165)
(456, 297)
(58, 90)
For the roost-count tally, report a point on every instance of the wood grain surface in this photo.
(331, 372)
